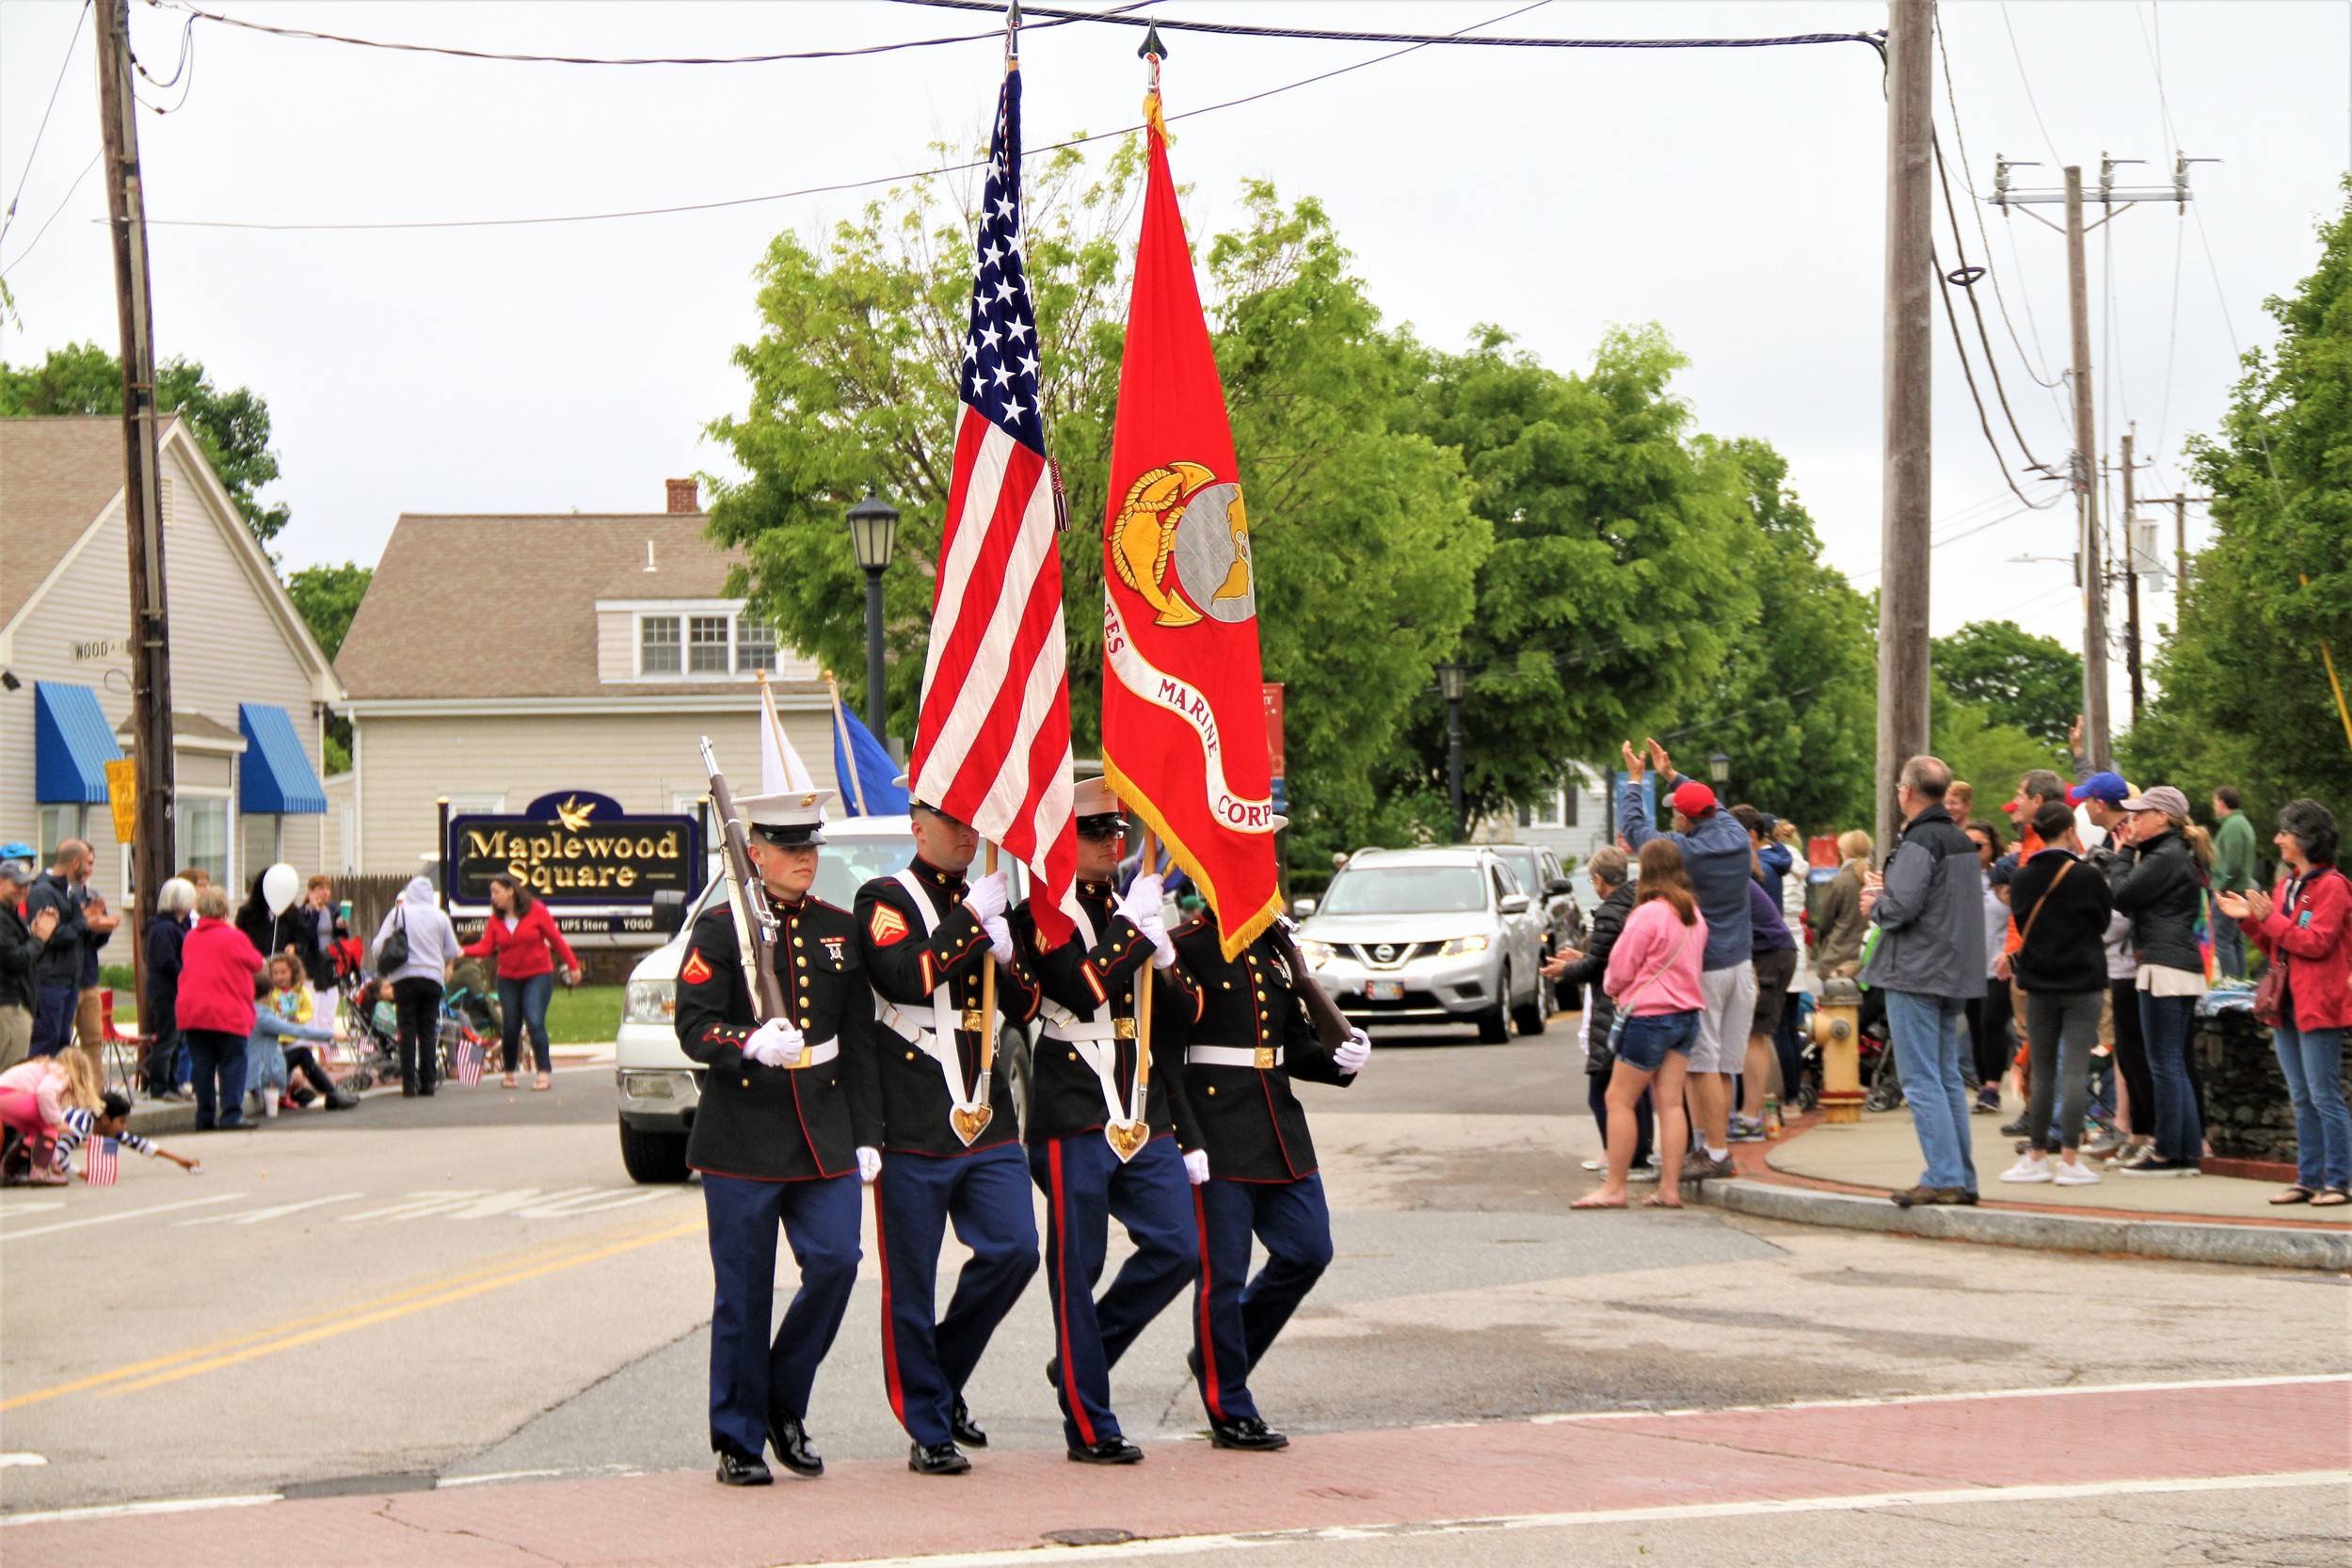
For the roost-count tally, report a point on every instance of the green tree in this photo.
(1980, 749)
(233, 427)
(1794, 705)
(2247, 698)
(1365, 548)
(329, 597)
(1614, 589)
(2026, 682)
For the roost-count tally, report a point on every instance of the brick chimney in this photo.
(685, 495)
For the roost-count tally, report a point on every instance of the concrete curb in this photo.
(2257, 1246)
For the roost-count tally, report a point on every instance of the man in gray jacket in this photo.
(1928, 907)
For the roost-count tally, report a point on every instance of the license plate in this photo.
(1384, 990)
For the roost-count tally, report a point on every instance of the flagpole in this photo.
(1142, 1003)
(988, 993)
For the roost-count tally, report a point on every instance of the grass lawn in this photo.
(587, 1015)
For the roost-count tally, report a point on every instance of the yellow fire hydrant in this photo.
(1837, 1030)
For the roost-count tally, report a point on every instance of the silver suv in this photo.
(1429, 936)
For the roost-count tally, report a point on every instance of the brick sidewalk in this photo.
(1413, 1476)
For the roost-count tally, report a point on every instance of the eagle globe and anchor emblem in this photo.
(1184, 516)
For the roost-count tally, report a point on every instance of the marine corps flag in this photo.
(1183, 730)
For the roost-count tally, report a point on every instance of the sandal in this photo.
(542, 1082)
(2294, 1194)
(2334, 1197)
(1660, 1200)
(506, 1081)
(1595, 1200)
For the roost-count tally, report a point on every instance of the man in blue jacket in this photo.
(1716, 853)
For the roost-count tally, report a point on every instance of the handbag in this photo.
(393, 952)
(1625, 1007)
(2270, 991)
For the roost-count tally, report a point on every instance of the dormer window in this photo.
(656, 645)
(691, 640)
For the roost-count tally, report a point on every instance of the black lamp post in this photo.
(1719, 769)
(1453, 680)
(873, 532)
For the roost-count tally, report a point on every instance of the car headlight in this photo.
(652, 1001)
(1317, 952)
(1462, 947)
(657, 1086)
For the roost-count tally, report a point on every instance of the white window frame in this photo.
(185, 794)
(638, 645)
(685, 612)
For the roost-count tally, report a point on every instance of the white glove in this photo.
(1141, 901)
(1162, 951)
(1350, 1057)
(869, 1164)
(773, 1044)
(987, 897)
(1000, 938)
(1196, 1166)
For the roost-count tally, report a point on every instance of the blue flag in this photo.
(869, 779)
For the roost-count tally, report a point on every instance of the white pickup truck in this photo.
(661, 1086)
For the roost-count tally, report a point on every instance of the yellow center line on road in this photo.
(512, 1269)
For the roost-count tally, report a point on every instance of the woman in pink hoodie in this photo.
(1654, 979)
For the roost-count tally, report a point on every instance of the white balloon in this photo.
(280, 885)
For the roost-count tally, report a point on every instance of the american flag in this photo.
(98, 1161)
(467, 1056)
(992, 746)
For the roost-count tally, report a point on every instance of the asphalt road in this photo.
(468, 1289)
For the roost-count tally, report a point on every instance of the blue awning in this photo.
(71, 744)
(277, 776)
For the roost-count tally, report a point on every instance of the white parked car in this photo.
(661, 1085)
(1429, 936)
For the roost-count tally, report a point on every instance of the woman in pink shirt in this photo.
(1654, 979)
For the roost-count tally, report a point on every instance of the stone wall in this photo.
(2248, 1115)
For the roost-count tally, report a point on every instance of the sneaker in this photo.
(1705, 1169)
(2016, 1128)
(1923, 1196)
(1987, 1101)
(2073, 1173)
(2164, 1168)
(1593, 1165)
(2033, 1167)
(1746, 1129)
(2132, 1154)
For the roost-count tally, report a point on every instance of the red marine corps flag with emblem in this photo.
(1183, 728)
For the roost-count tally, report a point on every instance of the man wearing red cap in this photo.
(1716, 853)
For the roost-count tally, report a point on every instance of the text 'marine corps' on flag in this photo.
(1183, 726)
(992, 746)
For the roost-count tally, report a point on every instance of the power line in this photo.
(72, 42)
(1984, 335)
(2022, 81)
(60, 207)
(1976, 208)
(1968, 374)
(1326, 34)
(308, 35)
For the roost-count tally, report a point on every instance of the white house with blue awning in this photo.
(250, 686)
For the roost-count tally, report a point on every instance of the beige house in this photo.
(497, 659)
(249, 685)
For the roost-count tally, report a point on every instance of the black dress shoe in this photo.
(790, 1439)
(735, 1470)
(937, 1459)
(1053, 1373)
(1247, 1432)
(966, 1431)
(1112, 1450)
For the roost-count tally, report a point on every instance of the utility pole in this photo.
(2083, 464)
(151, 847)
(1908, 423)
(2086, 484)
(2130, 581)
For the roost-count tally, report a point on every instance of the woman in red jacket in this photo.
(2306, 929)
(215, 1009)
(528, 947)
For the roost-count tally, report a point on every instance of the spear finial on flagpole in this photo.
(1153, 52)
(1011, 31)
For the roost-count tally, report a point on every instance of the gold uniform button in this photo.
(1228, 985)
(1261, 995)
(910, 1056)
(1212, 1088)
(1072, 1056)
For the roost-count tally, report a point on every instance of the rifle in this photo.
(755, 920)
(1331, 1025)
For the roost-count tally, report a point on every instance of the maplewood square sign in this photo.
(576, 848)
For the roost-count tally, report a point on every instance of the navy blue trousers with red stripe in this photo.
(986, 1196)
(1235, 1322)
(755, 1379)
(1087, 1188)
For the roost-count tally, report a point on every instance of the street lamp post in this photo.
(1453, 679)
(1719, 769)
(873, 532)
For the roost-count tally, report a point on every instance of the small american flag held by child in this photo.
(468, 1061)
(98, 1161)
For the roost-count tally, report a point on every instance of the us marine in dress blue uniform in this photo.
(1254, 1037)
(926, 935)
(789, 1122)
(1091, 1154)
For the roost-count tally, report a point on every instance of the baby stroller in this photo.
(370, 1045)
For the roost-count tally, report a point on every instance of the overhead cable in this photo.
(1350, 35)
(72, 42)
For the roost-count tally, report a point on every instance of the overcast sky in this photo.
(1734, 196)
